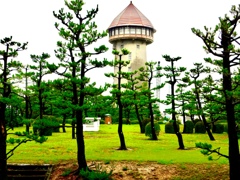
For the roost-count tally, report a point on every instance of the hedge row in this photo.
(197, 128)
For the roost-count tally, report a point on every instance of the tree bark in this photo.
(3, 146)
(82, 163)
(120, 131)
(142, 129)
(154, 136)
(73, 130)
(234, 156)
(207, 127)
(175, 126)
(3, 132)
(120, 110)
(184, 120)
(63, 123)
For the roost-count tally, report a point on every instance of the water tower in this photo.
(133, 31)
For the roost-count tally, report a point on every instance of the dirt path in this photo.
(148, 171)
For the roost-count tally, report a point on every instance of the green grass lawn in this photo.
(102, 145)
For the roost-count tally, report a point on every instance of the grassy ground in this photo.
(102, 146)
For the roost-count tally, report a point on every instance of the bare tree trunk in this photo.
(120, 110)
(3, 146)
(175, 126)
(82, 163)
(234, 156)
(184, 121)
(142, 129)
(207, 127)
(63, 123)
(120, 132)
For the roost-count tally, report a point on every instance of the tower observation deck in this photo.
(134, 31)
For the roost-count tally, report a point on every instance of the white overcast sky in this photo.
(32, 21)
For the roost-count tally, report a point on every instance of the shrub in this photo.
(66, 172)
(46, 132)
(225, 127)
(200, 128)
(125, 121)
(134, 122)
(44, 127)
(69, 121)
(196, 121)
(148, 130)
(56, 129)
(169, 127)
(145, 122)
(95, 175)
(189, 126)
(98, 174)
(238, 129)
(115, 119)
(27, 122)
(218, 128)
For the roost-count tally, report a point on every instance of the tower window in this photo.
(129, 56)
(129, 69)
(116, 31)
(138, 46)
(148, 32)
(120, 30)
(126, 30)
(132, 30)
(151, 33)
(121, 46)
(138, 31)
(143, 31)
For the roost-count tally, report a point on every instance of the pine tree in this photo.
(119, 63)
(226, 47)
(12, 48)
(78, 32)
(172, 74)
(147, 75)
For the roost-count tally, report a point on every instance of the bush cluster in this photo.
(218, 128)
(45, 127)
(189, 126)
(200, 128)
(148, 130)
(238, 131)
(196, 121)
(169, 127)
(134, 122)
(145, 121)
(69, 121)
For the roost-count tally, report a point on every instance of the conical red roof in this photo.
(131, 16)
